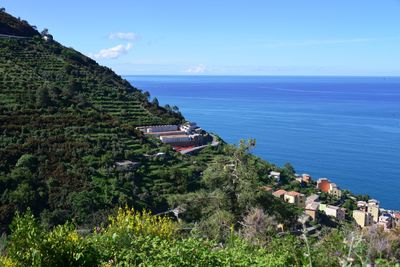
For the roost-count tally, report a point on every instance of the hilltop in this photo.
(10, 25)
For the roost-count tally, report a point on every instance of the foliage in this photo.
(141, 239)
(31, 245)
(64, 122)
(231, 188)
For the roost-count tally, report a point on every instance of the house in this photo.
(126, 165)
(298, 178)
(295, 198)
(188, 127)
(362, 218)
(385, 220)
(312, 198)
(327, 186)
(336, 212)
(362, 205)
(275, 175)
(306, 178)
(373, 209)
(396, 220)
(312, 210)
(280, 193)
(304, 218)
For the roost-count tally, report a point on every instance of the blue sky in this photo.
(218, 37)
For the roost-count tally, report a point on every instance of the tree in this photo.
(28, 161)
(43, 96)
(45, 32)
(2, 9)
(289, 169)
(146, 95)
(230, 189)
(155, 102)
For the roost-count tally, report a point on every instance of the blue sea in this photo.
(344, 128)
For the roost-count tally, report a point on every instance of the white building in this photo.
(385, 220)
(337, 212)
(275, 175)
(158, 128)
(168, 139)
(188, 127)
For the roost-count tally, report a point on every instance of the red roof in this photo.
(279, 192)
(324, 186)
(180, 148)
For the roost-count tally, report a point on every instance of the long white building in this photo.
(175, 138)
(158, 128)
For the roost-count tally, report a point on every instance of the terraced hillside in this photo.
(64, 122)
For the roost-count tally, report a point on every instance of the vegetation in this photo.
(140, 239)
(64, 123)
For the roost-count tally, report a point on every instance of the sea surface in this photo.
(344, 128)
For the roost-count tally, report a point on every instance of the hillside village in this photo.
(365, 213)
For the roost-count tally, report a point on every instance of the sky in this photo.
(220, 37)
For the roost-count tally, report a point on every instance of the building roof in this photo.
(324, 185)
(293, 193)
(312, 206)
(279, 192)
(373, 201)
(334, 207)
(312, 198)
(274, 173)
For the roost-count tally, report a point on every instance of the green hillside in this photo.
(64, 122)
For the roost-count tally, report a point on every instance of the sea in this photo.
(346, 129)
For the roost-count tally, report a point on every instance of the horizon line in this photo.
(267, 75)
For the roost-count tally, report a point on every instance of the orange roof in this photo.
(397, 215)
(279, 192)
(324, 185)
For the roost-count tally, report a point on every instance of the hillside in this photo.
(64, 122)
(10, 25)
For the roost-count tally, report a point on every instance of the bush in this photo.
(31, 245)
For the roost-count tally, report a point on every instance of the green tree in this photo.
(28, 161)
(43, 96)
(155, 102)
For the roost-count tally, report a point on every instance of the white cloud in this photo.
(197, 69)
(128, 36)
(113, 52)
